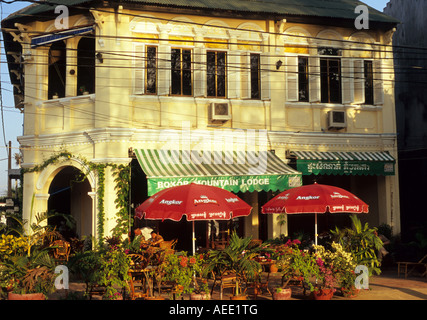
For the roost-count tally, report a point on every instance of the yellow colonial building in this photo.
(255, 97)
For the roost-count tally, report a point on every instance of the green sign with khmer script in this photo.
(341, 167)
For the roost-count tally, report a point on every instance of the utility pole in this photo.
(9, 167)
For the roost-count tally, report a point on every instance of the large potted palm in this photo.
(363, 243)
(34, 275)
(237, 259)
(29, 267)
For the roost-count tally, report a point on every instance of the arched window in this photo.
(86, 66)
(57, 67)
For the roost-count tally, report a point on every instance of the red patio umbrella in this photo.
(315, 198)
(196, 202)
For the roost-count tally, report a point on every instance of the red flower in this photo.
(192, 260)
(183, 262)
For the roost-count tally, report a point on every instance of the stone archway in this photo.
(69, 194)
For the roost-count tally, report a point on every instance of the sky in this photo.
(12, 118)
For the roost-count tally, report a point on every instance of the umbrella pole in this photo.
(193, 235)
(315, 229)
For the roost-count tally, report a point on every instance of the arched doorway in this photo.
(68, 194)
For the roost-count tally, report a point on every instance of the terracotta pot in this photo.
(273, 268)
(350, 293)
(26, 296)
(285, 294)
(323, 294)
(200, 296)
(239, 297)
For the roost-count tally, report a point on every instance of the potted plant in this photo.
(86, 266)
(25, 263)
(113, 272)
(325, 282)
(33, 276)
(105, 268)
(83, 90)
(296, 265)
(363, 242)
(201, 291)
(348, 289)
(181, 271)
(344, 266)
(336, 267)
(282, 294)
(237, 258)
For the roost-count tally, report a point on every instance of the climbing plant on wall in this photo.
(121, 175)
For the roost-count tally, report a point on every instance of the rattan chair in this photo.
(403, 267)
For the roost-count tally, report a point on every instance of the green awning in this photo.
(344, 163)
(236, 171)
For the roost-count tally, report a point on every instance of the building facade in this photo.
(411, 109)
(296, 83)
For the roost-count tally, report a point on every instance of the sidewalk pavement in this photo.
(387, 286)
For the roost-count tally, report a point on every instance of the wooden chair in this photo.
(259, 284)
(403, 267)
(168, 244)
(137, 284)
(226, 280)
(61, 250)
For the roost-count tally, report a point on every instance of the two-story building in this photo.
(252, 96)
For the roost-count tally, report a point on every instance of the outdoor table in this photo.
(143, 274)
(266, 263)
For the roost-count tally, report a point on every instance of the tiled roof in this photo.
(341, 9)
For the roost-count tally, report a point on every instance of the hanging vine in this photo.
(101, 209)
(122, 180)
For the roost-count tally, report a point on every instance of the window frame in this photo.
(328, 88)
(182, 85)
(369, 90)
(147, 67)
(225, 87)
(258, 77)
(307, 77)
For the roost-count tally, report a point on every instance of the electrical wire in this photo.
(242, 68)
(1, 97)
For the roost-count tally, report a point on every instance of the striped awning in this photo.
(236, 171)
(344, 163)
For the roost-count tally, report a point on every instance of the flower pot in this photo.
(273, 268)
(350, 292)
(284, 294)
(200, 296)
(323, 294)
(26, 296)
(239, 297)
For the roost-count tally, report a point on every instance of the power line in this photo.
(242, 68)
(352, 42)
(1, 97)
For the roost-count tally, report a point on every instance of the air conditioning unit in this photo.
(220, 112)
(337, 120)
